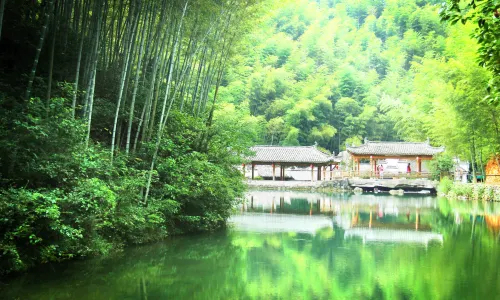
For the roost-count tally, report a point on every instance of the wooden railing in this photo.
(306, 174)
(367, 175)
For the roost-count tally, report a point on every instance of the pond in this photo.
(297, 245)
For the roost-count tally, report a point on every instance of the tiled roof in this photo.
(289, 154)
(395, 149)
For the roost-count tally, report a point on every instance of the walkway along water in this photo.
(367, 185)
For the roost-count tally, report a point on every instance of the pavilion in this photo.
(375, 151)
(287, 156)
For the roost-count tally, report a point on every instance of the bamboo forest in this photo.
(249, 149)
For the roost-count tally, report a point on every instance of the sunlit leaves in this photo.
(484, 16)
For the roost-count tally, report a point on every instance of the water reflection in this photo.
(370, 217)
(302, 246)
(319, 203)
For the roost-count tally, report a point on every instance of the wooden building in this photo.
(375, 151)
(288, 156)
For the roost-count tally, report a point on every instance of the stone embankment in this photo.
(360, 185)
(387, 185)
(329, 185)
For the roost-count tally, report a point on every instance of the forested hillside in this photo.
(337, 71)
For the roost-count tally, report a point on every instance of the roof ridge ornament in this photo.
(428, 141)
(366, 140)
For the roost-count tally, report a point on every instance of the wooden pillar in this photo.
(419, 165)
(358, 166)
(274, 172)
(416, 220)
(283, 173)
(374, 166)
(371, 167)
(312, 172)
(243, 169)
(371, 217)
(319, 173)
(331, 172)
(253, 170)
(324, 172)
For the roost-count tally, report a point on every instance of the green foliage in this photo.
(441, 164)
(62, 199)
(382, 71)
(484, 17)
(461, 190)
(292, 138)
(100, 162)
(470, 191)
(325, 72)
(478, 191)
(33, 230)
(31, 131)
(445, 185)
(354, 70)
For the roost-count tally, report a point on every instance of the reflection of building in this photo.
(387, 219)
(493, 223)
(373, 218)
(373, 226)
(285, 202)
(265, 223)
(336, 204)
(392, 235)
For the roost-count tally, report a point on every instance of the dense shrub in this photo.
(33, 229)
(61, 198)
(478, 191)
(445, 185)
(469, 191)
(441, 164)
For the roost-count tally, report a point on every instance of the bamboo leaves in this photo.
(153, 57)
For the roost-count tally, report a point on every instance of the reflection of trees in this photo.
(246, 265)
(333, 268)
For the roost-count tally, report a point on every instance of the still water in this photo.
(294, 245)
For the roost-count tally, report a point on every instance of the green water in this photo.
(290, 245)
